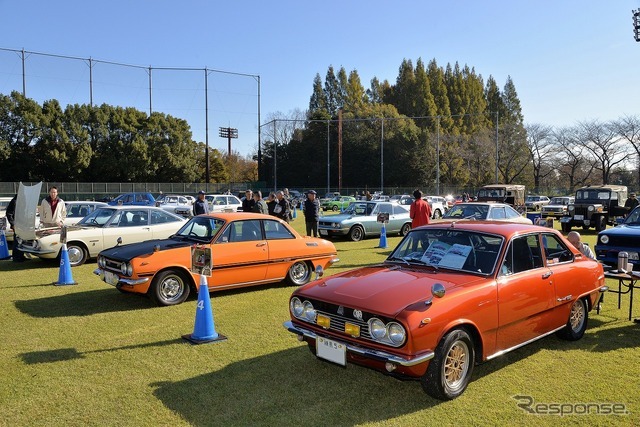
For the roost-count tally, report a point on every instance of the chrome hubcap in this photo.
(171, 288)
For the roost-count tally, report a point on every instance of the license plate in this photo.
(578, 217)
(633, 256)
(110, 278)
(332, 351)
(323, 232)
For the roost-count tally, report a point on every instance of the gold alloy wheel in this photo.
(456, 364)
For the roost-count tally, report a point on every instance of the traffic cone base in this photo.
(64, 276)
(4, 249)
(204, 330)
(383, 237)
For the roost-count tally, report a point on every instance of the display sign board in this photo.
(63, 234)
(201, 261)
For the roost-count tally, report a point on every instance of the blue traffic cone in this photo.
(4, 250)
(64, 277)
(204, 329)
(383, 237)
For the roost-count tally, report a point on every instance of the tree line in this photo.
(475, 129)
(104, 143)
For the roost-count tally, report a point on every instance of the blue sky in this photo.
(570, 60)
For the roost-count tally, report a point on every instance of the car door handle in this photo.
(261, 244)
(547, 274)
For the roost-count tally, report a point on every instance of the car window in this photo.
(274, 230)
(497, 212)
(452, 249)
(523, 255)
(397, 210)
(242, 231)
(385, 208)
(161, 217)
(511, 213)
(555, 250)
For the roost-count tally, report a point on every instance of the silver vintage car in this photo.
(360, 220)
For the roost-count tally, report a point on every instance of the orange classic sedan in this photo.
(449, 296)
(246, 249)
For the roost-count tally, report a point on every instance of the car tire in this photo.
(356, 233)
(405, 229)
(577, 323)
(335, 208)
(170, 287)
(299, 273)
(450, 370)
(77, 254)
(601, 224)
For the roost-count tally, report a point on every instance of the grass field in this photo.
(89, 355)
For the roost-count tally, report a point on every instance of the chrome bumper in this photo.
(364, 352)
(131, 282)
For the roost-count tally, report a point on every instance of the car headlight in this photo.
(308, 312)
(396, 333)
(296, 306)
(377, 328)
(336, 225)
(604, 239)
(126, 269)
(590, 208)
(571, 207)
(101, 262)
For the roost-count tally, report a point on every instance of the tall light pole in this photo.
(382, 155)
(328, 160)
(437, 155)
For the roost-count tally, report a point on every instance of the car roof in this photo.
(506, 229)
(137, 207)
(233, 216)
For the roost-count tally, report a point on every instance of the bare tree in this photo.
(604, 144)
(628, 127)
(573, 167)
(541, 149)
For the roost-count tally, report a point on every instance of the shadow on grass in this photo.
(64, 354)
(291, 387)
(82, 304)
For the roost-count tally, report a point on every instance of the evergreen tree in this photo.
(332, 92)
(318, 99)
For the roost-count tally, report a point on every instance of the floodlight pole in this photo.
(206, 125)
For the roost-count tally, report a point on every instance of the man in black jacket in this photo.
(312, 213)
(200, 206)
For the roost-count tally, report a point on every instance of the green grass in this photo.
(89, 355)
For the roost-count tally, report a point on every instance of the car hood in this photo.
(133, 250)
(383, 289)
(26, 208)
(622, 230)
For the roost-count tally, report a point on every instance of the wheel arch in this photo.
(471, 329)
(181, 269)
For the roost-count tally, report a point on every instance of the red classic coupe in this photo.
(449, 296)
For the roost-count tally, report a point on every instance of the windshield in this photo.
(491, 192)
(201, 229)
(559, 201)
(448, 248)
(633, 218)
(468, 211)
(593, 195)
(358, 208)
(98, 218)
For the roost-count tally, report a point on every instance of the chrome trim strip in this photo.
(372, 354)
(131, 282)
(501, 352)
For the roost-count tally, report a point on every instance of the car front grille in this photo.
(623, 241)
(112, 265)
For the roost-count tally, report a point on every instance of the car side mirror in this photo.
(319, 272)
(119, 241)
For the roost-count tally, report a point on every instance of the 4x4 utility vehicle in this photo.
(595, 206)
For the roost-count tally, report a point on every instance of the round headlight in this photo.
(590, 208)
(308, 311)
(123, 268)
(296, 306)
(377, 328)
(129, 269)
(100, 262)
(396, 333)
(571, 207)
(604, 239)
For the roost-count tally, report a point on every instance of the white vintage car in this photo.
(178, 205)
(101, 229)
